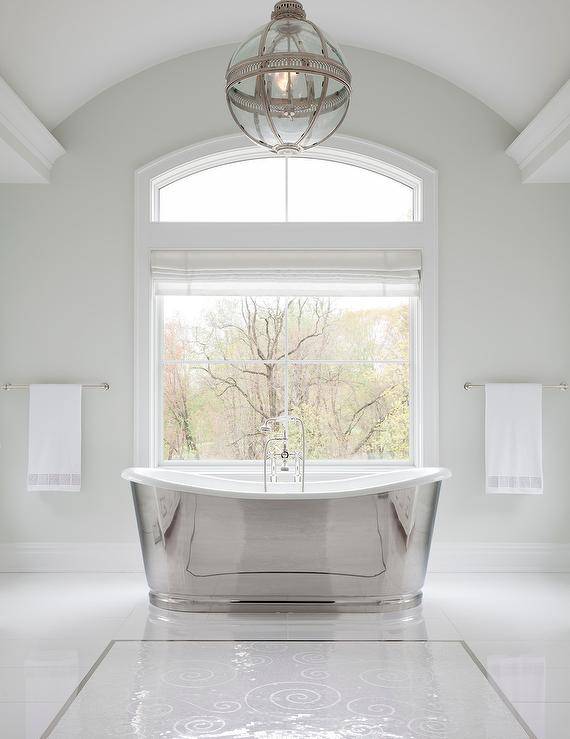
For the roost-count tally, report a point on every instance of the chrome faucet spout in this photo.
(271, 455)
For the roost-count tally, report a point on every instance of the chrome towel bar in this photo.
(560, 386)
(100, 386)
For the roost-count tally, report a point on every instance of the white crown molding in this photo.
(542, 150)
(445, 557)
(27, 149)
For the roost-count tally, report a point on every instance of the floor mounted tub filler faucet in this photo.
(277, 454)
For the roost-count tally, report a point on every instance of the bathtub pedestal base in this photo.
(219, 605)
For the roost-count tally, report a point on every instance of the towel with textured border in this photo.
(513, 438)
(54, 437)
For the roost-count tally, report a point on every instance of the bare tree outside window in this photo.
(226, 361)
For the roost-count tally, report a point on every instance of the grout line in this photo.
(493, 683)
(56, 719)
(540, 703)
(298, 641)
(281, 362)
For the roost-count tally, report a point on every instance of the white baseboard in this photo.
(52, 557)
(445, 557)
(458, 557)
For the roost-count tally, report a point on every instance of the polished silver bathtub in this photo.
(215, 541)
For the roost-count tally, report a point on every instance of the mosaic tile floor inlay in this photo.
(288, 690)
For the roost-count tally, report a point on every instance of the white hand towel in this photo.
(513, 438)
(54, 453)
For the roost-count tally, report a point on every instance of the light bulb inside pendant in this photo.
(282, 81)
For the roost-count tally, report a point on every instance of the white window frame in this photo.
(151, 235)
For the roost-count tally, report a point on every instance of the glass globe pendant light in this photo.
(287, 85)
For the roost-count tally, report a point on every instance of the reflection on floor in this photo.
(54, 627)
(288, 689)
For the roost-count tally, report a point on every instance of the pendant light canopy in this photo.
(287, 85)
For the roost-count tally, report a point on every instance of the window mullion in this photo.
(355, 362)
(286, 190)
(286, 373)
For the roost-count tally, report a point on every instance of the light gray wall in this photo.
(67, 278)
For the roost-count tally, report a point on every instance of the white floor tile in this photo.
(547, 720)
(502, 607)
(66, 652)
(62, 628)
(528, 670)
(89, 595)
(39, 684)
(206, 630)
(408, 626)
(148, 622)
(26, 720)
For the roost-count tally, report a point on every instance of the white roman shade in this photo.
(392, 273)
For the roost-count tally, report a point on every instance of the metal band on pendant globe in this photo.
(298, 62)
(333, 102)
(287, 86)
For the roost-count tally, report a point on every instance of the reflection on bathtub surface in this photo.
(354, 544)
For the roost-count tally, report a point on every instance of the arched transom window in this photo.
(300, 189)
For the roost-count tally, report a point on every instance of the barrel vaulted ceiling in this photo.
(513, 55)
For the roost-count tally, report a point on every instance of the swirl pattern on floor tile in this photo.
(290, 690)
(199, 674)
(293, 697)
